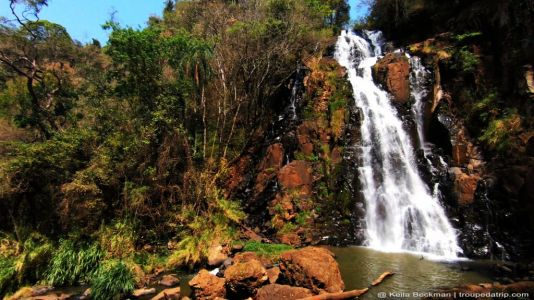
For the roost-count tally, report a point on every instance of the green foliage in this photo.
(288, 228)
(263, 249)
(467, 36)
(302, 218)
(151, 261)
(32, 264)
(140, 59)
(112, 280)
(310, 158)
(501, 132)
(466, 60)
(337, 104)
(8, 273)
(118, 240)
(487, 108)
(140, 129)
(73, 263)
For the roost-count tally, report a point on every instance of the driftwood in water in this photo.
(338, 296)
(350, 294)
(381, 278)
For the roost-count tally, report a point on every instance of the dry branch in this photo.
(338, 296)
(381, 278)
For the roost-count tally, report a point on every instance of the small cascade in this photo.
(289, 118)
(419, 79)
(418, 86)
(296, 92)
(401, 213)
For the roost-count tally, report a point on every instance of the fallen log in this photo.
(350, 294)
(338, 296)
(381, 278)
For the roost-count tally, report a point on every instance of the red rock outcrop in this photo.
(465, 186)
(271, 163)
(393, 72)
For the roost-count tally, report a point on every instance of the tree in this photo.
(41, 53)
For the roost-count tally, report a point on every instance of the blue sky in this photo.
(83, 20)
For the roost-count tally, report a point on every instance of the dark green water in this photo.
(360, 266)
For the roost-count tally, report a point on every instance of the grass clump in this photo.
(112, 280)
(263, 249)
(7, 275)
(71, 264)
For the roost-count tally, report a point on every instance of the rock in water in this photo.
(207, 286)
(313, 268)
(169, 280)
(168, 294)
(282, 292)
(216, 256)
(143, 292)
(242, 279)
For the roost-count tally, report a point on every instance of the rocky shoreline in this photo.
(309, 272)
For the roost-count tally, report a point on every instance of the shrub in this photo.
(31, 265)
(118, 240)
(466, 60)
(500, 133)
(112, 280)
(73, 263)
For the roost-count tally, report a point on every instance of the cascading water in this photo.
(418, 79)
(401, 214)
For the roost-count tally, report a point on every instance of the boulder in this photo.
(313, 268)
(393, 72)
(168, 294)
(207, 286)
(243, 279)
(216, 255)
(282, 292)
(169, 280)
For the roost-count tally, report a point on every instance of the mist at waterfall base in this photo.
(402, 214)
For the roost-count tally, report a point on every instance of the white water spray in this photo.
(401, 213)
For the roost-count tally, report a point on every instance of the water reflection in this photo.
(360, 266)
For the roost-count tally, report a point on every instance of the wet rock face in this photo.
(313, 268)
(393, 72)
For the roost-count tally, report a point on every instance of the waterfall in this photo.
(401, 214)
